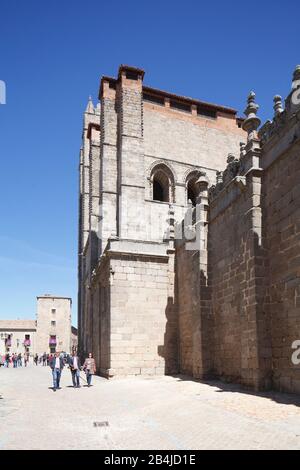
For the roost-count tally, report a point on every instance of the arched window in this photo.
(192, 191)
(162, 184)
(158, 191)
(191, 187)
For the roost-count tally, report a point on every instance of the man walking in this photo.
(74, 365)
(44, 359)
(20, 360)
(57, 364)
(14, 359)
(26, 359)
(7, 358)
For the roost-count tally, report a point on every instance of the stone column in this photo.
(108, 163)
(94, 181)
(131, 172)
(171, 336)
(201, 314)
(256, 353)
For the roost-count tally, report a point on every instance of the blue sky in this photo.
(52, 55)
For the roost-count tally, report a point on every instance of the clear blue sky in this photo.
(52, 55)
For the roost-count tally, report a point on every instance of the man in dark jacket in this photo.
(74, 365)
(57, 364)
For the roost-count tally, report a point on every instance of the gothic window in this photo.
(162, 184)
(192, 191)
(161, 187)
(191, 187)
(158, 191)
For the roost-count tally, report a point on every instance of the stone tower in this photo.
(141, 159)
(53, 324)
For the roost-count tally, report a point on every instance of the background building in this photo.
(18, 336)
(50, 332)
(53, 323)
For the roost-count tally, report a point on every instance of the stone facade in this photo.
(53, 324)
(53, 321)
(17, 336)
(138, 140)
(188, 254)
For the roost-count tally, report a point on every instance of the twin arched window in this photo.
(162, 185)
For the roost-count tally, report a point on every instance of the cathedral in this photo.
(189, 236)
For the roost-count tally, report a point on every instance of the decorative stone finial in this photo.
(171, 213)
(90, 106)
(171, 219)
(278, 108)
(242, 149)
(219, 178)
(98, 108)
(230, 158)
(202, 182)
(296, 76)
(252, 122)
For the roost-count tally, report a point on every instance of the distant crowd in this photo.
(56, 362)
(14, 360)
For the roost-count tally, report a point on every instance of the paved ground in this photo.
(161, 413)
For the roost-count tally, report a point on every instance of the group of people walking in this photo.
(57, 364)
(44, 359)
(14, 360)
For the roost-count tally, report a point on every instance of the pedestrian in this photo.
(44, 359)
(26, 359)
(57, 364)
(14, 360)
(7, 359)
(20, 360)
(74, 365)
(36, 358)
(89, 367)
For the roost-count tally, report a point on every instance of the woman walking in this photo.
(26, 359)
(89, 367)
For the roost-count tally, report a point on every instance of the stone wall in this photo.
(99, 331)
(253, 286)
(187, 139)
(227, 275)
(134, 318)
(188, 295)
(282, 233)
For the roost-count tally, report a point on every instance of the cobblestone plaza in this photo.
(141, 413)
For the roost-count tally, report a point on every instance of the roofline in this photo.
(131, 68)
(189, 100)
(167, 94)
(53, 297)
(107, 79)
(17, 319)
